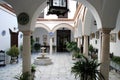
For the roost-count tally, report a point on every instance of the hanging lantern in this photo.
(58, 7)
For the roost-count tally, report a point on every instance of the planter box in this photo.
(115, 66)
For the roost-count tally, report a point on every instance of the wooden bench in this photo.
(2, 58)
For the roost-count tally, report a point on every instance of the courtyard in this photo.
(59, 70)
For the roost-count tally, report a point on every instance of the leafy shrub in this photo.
(85, 69)
(71, 46)
(13, 51)
(91, 49)
(37, 46)
(33, 68)
(116, 59)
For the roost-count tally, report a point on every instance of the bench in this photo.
(2, 58)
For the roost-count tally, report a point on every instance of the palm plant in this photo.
(87, 69)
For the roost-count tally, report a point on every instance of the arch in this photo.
(75, 32)
(93, 6)
(41, 25)
(43, 3)
(79, 27)
(33, 11)
(61, 26)
(89, 23)
(37, 13)
(1, 1)
(117, 23)
(109, 18)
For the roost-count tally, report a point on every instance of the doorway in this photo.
(62, 37)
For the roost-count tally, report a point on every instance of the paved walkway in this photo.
(59, 70)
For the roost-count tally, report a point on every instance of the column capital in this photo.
(79, 36)
(26, 33)
(85, 35)
(106, 30)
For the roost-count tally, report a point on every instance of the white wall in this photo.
(114, 46)
(39, 32)
(7, 21)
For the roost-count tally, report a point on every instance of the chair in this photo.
(2, 58)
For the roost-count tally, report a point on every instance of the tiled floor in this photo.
(59, 70)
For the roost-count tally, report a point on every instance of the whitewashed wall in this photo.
(39, 32)
(114, 46)
(8, 20)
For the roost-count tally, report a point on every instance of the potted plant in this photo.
(33, 70)
(85, 69)
(115, 63)
(91, 49)
(26, 75)
(72, 47)
(13, 52)
(37, 46)
(23, 76)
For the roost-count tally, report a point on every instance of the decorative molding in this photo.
(23, 18)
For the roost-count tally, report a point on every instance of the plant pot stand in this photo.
(14, 59)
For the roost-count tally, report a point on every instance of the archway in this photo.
(65, 25)
(41, 25)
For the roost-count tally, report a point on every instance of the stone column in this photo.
(85, 46)
(75, 39)
(79, 42)
(51, 48)
(100, 46)
(26, 54)
(105, 60)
